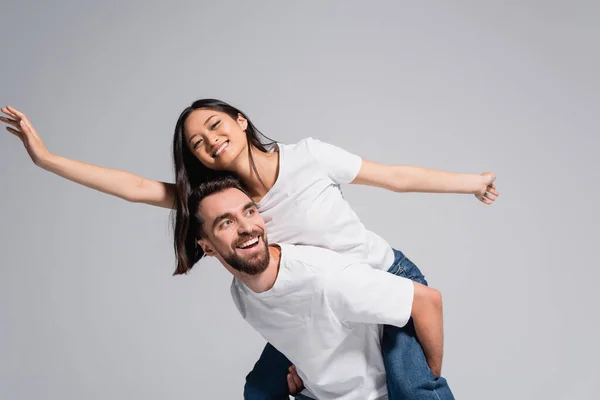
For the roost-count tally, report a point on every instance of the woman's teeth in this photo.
(220, 149)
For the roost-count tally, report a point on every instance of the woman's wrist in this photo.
(46, 161)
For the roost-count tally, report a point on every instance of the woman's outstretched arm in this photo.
(401, 178)
(118, 183)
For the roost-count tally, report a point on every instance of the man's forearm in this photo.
(429, 325)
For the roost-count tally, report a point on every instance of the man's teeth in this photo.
(249, 243)
(220, 149)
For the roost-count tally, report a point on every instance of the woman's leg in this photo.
(408, 375)
(268, 379)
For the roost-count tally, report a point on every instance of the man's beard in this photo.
(253, 266)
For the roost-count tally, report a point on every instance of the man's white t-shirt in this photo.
(305, 206)
(324, 313)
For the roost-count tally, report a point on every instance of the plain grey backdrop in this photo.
(88, 306)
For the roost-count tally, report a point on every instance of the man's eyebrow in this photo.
(227, 215)
(221, 218)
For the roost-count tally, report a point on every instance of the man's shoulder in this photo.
(317, 257)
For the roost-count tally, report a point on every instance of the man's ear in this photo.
(207, 248)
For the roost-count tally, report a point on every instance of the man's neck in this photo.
(265, 280)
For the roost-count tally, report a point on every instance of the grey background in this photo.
(88, 309)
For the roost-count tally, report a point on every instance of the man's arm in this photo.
(360, 293)
(427, 317)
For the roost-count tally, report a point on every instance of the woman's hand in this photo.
(24, 130)
(123, 184)
(487, 193)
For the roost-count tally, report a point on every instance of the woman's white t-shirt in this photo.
(305, 206)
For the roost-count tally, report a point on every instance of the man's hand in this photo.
(428, 317)
(436, 368)
(295, 384)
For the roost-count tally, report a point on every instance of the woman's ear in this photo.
(242, 121)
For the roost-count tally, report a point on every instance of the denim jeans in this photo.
(407, 372)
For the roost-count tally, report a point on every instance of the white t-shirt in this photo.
(324, 313)
(305, 206)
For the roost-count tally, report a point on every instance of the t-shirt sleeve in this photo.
(360, 293)
(235, 295)
(340, 165)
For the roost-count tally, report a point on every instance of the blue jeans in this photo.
(408, 375)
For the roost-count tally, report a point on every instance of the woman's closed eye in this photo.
(198, 143)
(213, 126)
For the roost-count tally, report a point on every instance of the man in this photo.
(319, 308)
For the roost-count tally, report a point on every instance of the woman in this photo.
(297, 190)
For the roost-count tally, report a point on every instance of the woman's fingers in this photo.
(489, 196)
(10, 121)
(27, 128)
(484, 199)
(6, 111)
(20, 116)
(15, 132)
(10, 113)
(22, 120)
(493, 191)
(16, 112)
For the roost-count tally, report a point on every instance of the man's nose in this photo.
(244, 226)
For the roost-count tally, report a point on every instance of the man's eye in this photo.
(225, 224)
(250, 213)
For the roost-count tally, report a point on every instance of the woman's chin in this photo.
(226, 161)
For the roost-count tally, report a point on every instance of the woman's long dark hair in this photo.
(190, 172)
